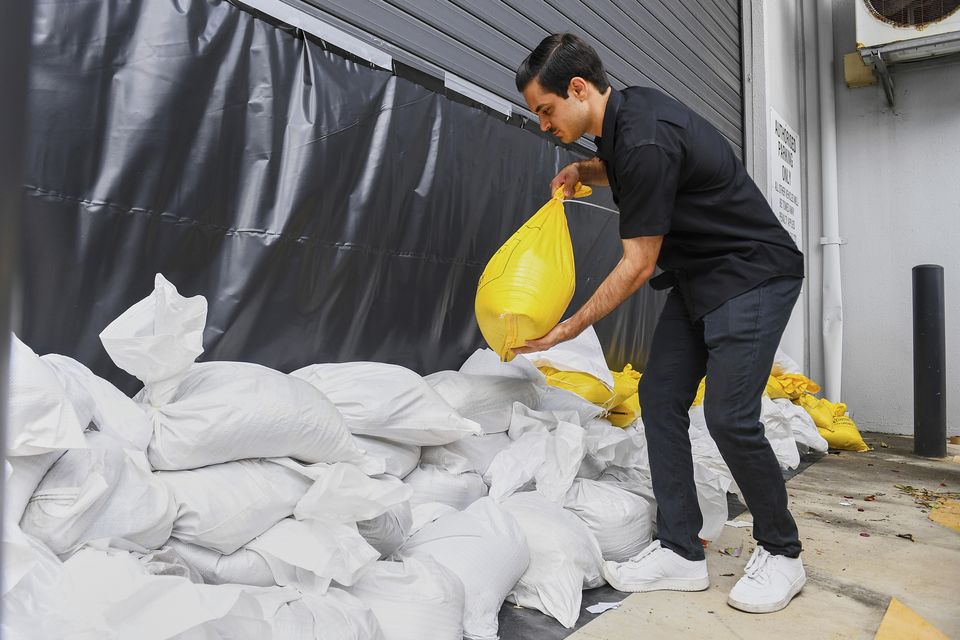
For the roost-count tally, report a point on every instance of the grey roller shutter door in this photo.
(688, 48)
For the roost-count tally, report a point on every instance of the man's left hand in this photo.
(560, 333)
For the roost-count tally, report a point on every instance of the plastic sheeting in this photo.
(329, 211)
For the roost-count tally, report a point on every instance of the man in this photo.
(686, 204)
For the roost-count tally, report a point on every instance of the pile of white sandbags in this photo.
(350, 500)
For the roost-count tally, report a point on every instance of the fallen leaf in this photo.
(860, 509)
(870, 498)
(864, 534)
(906, 536)
(884, 445)
(732, 551)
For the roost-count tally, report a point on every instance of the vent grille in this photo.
(912, 13)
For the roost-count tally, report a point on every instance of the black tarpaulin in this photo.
(328, 210)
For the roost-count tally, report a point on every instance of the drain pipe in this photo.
(831, 240)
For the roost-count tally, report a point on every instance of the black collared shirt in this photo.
(673, 175)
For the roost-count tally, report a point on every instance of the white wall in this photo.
(899, 177)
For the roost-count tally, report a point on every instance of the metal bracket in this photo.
(832, 240)
(884, 72)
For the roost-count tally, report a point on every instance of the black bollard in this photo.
(929, 363)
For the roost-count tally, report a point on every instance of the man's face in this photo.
(566, 118)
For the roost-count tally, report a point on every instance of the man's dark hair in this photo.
(558, 59)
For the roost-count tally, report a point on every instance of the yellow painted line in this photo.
(900, 622)
(947, 514)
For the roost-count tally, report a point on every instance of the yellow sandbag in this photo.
(834, 425)
(624, 385)
(843, 434)
(701, 391)
(790, 385)
(529, 282)
(624, 414)
(583, 384)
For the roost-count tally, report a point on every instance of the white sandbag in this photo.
(486, 548)
(40, 416)
(26, 472)
(105, 406)
(636, 480)
(515, 468)
(414, 599)
(308, 554)
(334, 614)
(225, 411)
(166, 561)
(486, 362)
(109, 594)
(158, 338)
(486, 399)
(305, 555)
(31, 579)
(557, 400)
(433, 484)
(601, 441)
(779, 432)
(389, 530)
(712, 490)
(104, 491)
(564, 558)
(704, 448)
(564, 453)
(225, 506)
(548, 451)
(427, 512)
(399, 459)
(525, 419)
(389, 402)
(215, 412)
(343, 493)
(583, 353)
(240, 567)
(622, 522)
(473, 453)
(785, 363)
(782, 413)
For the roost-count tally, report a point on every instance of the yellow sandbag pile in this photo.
(832, 421)
(621, 402)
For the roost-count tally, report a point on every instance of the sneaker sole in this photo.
(664, 584)
(769, 607)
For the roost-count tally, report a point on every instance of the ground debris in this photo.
(906, 536)
(927, 498)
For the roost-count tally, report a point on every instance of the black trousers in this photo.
(734, 346)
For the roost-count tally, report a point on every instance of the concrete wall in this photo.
(899, 207)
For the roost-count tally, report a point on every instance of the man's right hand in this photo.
(568, 178)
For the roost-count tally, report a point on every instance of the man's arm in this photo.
(592, 172)
(635, 267)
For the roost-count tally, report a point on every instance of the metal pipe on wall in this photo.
(832, 316)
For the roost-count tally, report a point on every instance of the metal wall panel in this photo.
(688, 48)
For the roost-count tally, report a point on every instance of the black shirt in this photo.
(673, 174)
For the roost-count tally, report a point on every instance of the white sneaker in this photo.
(657, 568)
(768, 584)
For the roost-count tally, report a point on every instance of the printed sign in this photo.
(785, 176)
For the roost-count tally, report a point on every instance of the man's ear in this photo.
(577, 87)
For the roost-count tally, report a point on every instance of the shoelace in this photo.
(651, 548)
(756, 565)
